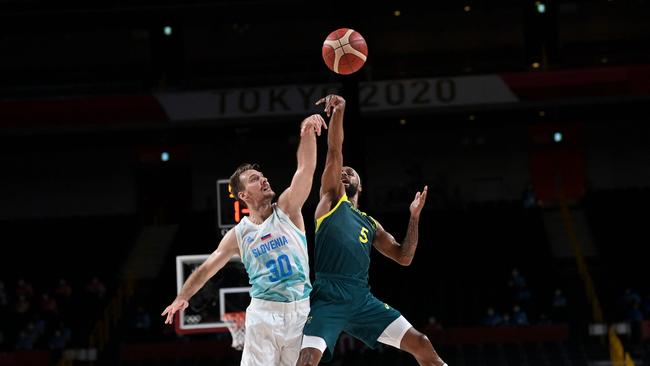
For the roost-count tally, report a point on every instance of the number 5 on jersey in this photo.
(363, 235)
(280, 268)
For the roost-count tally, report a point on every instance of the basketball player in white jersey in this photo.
(273, 247)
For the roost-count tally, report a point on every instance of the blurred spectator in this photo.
(58, 340)
(22, 305)
(516, 280)
(66, 333)
(141, 323)
(24, 288)
(631, 297)
(63, 291)
(559, 300)
(519, 287)
(646, 306)
(634, 314)
(627, 301)
(48, 305)
(39, 324)
(491, 318)
(96, 288)
(529, 198)
(559, 306)
(543, 319)
(519, 316)
(523, 295)
(27, 337)
(635, 317)
(24, 342)
(505, 320)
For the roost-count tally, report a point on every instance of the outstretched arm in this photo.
(402, 253)
(226, 249)
(331, 187)
(292, 199)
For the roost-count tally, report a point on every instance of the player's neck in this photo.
(259, 214)
(354, 201)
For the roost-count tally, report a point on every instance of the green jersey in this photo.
(344, 238)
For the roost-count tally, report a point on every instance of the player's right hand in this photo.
(312, 123)
(418, 203)
(178, 304)
(333, 103)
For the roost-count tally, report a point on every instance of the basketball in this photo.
(345, 51)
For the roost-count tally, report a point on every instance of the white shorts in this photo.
(391, 336)
(274, 332)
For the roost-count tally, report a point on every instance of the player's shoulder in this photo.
(373, 221)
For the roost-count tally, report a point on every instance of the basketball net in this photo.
(236, 323)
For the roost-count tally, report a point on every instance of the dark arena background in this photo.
(528, 120)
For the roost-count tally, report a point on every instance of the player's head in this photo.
(351, 181)
(249, 184)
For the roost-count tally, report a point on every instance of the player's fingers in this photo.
(322, 121)
(332, 108)
(417, 196)
(313, 125)
(321, 100)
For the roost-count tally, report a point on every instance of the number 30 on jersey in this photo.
(279, 268)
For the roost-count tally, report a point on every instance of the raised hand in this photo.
(418, 202)
(175, 306)
(312, 123)
(333, 103)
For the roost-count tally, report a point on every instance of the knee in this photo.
(423, 342)
(418, 345)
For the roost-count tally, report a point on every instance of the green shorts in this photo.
(346, 305)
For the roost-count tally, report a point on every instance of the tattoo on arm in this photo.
(411, 240)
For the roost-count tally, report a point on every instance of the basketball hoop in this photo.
(236, 323)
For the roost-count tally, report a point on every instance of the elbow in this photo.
(405, 261)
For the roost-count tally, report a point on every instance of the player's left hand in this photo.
(333, 104)
(177, 305)
(418, 203)
(313, 123)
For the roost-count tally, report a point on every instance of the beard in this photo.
(351, 190)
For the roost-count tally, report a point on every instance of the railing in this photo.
(583, 270)
(617, 353)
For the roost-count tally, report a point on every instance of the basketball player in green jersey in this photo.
(341, 298)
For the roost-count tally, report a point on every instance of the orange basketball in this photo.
(345, 51)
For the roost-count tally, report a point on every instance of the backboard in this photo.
(226, 291)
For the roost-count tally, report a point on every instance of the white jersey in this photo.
(275, 256)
